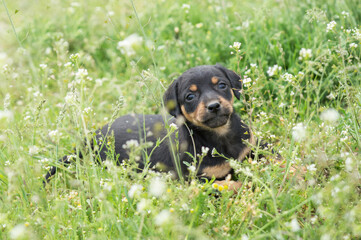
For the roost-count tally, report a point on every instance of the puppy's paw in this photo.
(227, 185)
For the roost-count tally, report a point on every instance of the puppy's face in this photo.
(204, 95)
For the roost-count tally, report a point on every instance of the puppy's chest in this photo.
(216, 164)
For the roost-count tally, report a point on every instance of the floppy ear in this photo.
(233, 78)
(170, 99)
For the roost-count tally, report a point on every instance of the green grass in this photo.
(87, 201)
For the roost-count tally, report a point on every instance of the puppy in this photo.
(200, 101)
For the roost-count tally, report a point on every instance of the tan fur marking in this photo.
(222, 130)
(195, 118)
(218, 171)
(232, 96)
(247, 149)
(215, 80)
(226, 104)
(193, 88)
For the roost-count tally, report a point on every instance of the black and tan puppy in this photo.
(203, 97)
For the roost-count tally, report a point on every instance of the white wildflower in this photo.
(335, 191)
(311, 167)
(274, 71)
(142, 205)
(81, 74)
(326, 236)
(3, 57)
(7, 101)
(173, 126)
(192, 169)
(132, 143)
(205, 150)
(335, 177)
(282, 105)
(88, 110)
(245, 24)
(71, 98)
(348, 164)
(68, 64)
(5, 68)
(186, 6)
(6, 114)
(247, 171)
(244, 237)
(74, 57)
(134, 190)
(288, 77)
(353, 45)
(18, 232)
(236, 45)
(54, 134)
(162, 218)
(345, 14)
(331, 26)
(48, 51)
(294, 225)
(129, 43)
(37, 94)
(199, 25)
(330, 96)
(305, 54)
(299, 132)
(330, 115)
(317, 198)
(157, 187)
(44, 160)
(247, 81)
(106, 184)
(33, 150)
(253, 65)
(356, 33)
(184, 207)
(43, 66)
(314, 219)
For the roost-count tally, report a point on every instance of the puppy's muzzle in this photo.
(215, 114)
(214, 107)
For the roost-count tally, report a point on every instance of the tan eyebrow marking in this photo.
(193, 88)
(214, 80)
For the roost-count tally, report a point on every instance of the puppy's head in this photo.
(204, 96)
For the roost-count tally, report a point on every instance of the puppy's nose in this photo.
(214, 107)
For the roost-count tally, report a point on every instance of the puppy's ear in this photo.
(170, 99)
(233, 78)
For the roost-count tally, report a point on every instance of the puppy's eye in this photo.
(190, 97)
(222, 85)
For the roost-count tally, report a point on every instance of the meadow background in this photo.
(69, 67)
